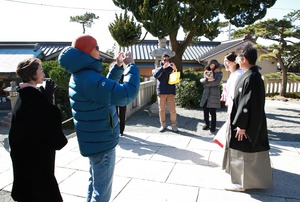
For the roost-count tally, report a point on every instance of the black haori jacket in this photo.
(35, 134)
(248, 112)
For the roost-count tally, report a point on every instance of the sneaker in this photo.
(162, 128)
(213, 130)
(174, 128)
(235, 187)
(205, 127)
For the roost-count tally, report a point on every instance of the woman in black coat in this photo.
(34, 136)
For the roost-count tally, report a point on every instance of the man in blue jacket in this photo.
(93, 99)
(166, 93)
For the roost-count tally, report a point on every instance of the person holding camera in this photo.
(166, 93)
(210, 99)
(93, 99)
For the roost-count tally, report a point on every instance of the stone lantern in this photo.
(12, 93)
(160, 51)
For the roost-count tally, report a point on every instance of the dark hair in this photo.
(165, 55)
(215, 62)
(26, 69)
(231, 57)
(249, 52)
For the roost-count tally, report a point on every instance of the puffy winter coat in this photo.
(93, 98)
(211, 90)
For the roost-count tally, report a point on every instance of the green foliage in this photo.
(105, 69)
(61, 78)
(277, 75)
(293, 95)
(59, 75)
(164, 18)
(241, 12)
(189, 90)
(285, 34)
(125, 31)
(288, 95)
(85, 20)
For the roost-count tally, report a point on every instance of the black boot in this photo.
(213, 128)
(205, 127)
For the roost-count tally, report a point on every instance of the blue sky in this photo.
(35, 20)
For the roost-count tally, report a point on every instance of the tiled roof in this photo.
(48, 48)
(142, 50)
(52, 49)
(11, 53)
(10, 57)
(225, 45)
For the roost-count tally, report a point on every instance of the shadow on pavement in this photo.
(148, 147)
(284, 185)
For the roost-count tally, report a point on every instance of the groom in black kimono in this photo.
(248, 160)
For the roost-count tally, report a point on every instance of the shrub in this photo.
(277, 75)
(189, 90)
(293, 95)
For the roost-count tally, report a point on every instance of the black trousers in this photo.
(121, 110)
(212, 112)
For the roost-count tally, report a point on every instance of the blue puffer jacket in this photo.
(162, 76)
(93, 98)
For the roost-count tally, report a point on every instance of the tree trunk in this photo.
(179, 48)
(283, 76)
(83, 28)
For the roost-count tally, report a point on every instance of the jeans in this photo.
(101, 176)
(169, 100)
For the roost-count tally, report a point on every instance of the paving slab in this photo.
(152, 191)
(183, 166)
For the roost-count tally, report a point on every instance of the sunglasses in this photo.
(97, 48)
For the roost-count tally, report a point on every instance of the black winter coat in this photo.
(248, 112)
(34, 136)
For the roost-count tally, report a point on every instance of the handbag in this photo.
(220, 137)
(174, 77)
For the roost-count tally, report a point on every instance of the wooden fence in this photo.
(274, 86)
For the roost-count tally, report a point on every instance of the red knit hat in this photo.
(85, 43)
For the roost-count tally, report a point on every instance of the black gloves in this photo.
(49, 90)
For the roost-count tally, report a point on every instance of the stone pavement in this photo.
(176, 167)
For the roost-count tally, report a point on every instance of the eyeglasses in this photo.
(97, 48)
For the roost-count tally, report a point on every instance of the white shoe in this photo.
(162, 128)
(235, 187)
(174, 128)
